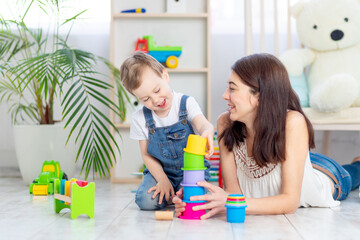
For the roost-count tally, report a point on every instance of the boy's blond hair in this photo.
(132, 68)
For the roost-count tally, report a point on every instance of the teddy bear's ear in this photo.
(297, 8)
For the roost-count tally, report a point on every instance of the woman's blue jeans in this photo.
(345, 178)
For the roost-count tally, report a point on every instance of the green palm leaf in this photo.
(32, 76)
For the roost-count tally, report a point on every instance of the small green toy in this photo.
(78, 196)
(44, 184)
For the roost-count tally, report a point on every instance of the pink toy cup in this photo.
(192, 177)
(189, 213)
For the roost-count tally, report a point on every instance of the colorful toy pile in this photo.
(78, 196)
(235, 208)
(44, 184)
(215, 163)
(194, 171)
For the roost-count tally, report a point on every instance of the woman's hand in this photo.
(164, 188)
(179, 204)
(215, 200)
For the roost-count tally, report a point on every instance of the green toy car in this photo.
(44, 184)
(164, 54)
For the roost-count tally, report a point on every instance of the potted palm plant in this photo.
(37, 69)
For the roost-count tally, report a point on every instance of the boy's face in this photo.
(154, 92)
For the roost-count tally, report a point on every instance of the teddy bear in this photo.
(330, 32)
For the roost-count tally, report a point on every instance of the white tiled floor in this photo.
(23, 216)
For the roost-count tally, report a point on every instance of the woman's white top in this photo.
(258, 182)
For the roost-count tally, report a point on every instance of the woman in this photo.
(264, 141)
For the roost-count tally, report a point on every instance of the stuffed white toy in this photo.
(330, 31)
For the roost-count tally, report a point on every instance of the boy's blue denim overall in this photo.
(166, 144)
(345, 178)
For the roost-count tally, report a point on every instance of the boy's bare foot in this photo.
(357, 159)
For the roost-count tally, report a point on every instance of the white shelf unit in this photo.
(191, 30)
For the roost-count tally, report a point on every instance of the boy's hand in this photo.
(164, 188)
(209, 134)
(179, 204)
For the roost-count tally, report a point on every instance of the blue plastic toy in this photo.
(135, 10)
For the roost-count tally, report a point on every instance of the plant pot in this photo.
(36, 143)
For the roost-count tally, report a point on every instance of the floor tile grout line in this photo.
(51, 223)
(167, 233)
(233, 232)
(293, 225)
(105, 230)
(343, 218)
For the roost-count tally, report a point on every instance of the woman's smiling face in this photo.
(241, 101)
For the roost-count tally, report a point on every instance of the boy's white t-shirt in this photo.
(138, 129)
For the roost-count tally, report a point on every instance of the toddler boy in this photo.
(162, 127)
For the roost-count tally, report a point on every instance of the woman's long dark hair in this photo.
(266, 75)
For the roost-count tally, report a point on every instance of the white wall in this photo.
(95, 42)
(94, 28)
(226, 48)
(7, 153)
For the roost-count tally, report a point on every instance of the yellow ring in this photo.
(172, 62)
